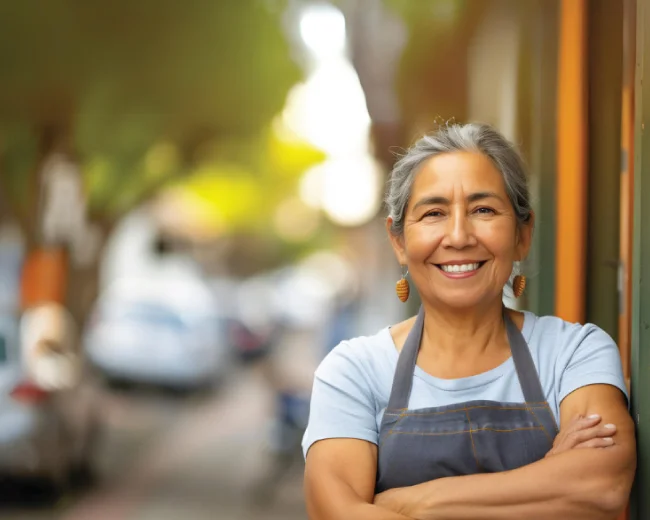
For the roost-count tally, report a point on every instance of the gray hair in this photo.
(454, 137)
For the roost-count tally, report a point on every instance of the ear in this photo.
(525, 238)
(397, 241)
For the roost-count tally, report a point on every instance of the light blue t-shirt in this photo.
(352, 384)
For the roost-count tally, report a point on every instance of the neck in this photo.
(451, 333)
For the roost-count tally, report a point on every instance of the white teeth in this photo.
(460, 268)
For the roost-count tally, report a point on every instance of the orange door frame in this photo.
(572, 131)
(627, 186)
(627, 195)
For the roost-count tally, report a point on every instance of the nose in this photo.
(460, 230)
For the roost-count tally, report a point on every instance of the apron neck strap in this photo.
(403, 379)
(524, 365)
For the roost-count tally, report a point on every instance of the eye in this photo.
(484, 211)
(435, 213)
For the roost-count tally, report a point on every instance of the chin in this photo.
(463, 301)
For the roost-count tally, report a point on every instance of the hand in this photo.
(583, 432)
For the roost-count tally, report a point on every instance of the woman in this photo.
(470, 410)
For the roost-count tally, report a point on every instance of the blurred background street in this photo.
(174, 456)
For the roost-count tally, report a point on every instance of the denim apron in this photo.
(417, 446)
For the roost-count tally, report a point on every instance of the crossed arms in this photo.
(570, 483)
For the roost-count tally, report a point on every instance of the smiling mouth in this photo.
(460, 268)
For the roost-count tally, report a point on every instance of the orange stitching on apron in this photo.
(526, 428)
(484, 407)
(557, 430)
(391, 431)
(542, 425)
(471, 437)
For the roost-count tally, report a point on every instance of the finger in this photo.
(600, 442)
(581, 422)
(606, 430)
(588, 420)
(599, 431)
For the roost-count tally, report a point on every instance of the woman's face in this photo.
(460, 231)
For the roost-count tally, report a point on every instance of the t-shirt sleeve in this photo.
(342, 402)
(592, 357)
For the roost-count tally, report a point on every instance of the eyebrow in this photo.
(473, 197)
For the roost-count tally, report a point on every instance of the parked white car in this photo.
(163, 331)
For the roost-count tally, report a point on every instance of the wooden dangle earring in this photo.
(518, 285)
(402, 287)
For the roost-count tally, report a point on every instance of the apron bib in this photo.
(417, 446)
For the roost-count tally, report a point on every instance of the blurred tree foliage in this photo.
(146, 90)
(246, 181)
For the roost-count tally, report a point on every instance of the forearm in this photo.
(343, 503)
(504, 496)
(573, 485)
(370, 512)
(352, 511)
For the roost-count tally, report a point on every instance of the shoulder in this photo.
(583, 355)
(574, 349)
(361, 355)
(344, 395)
(561, 335)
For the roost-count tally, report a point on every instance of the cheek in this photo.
(501, 240)
(420, 241)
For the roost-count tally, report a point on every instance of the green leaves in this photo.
(145, 88)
